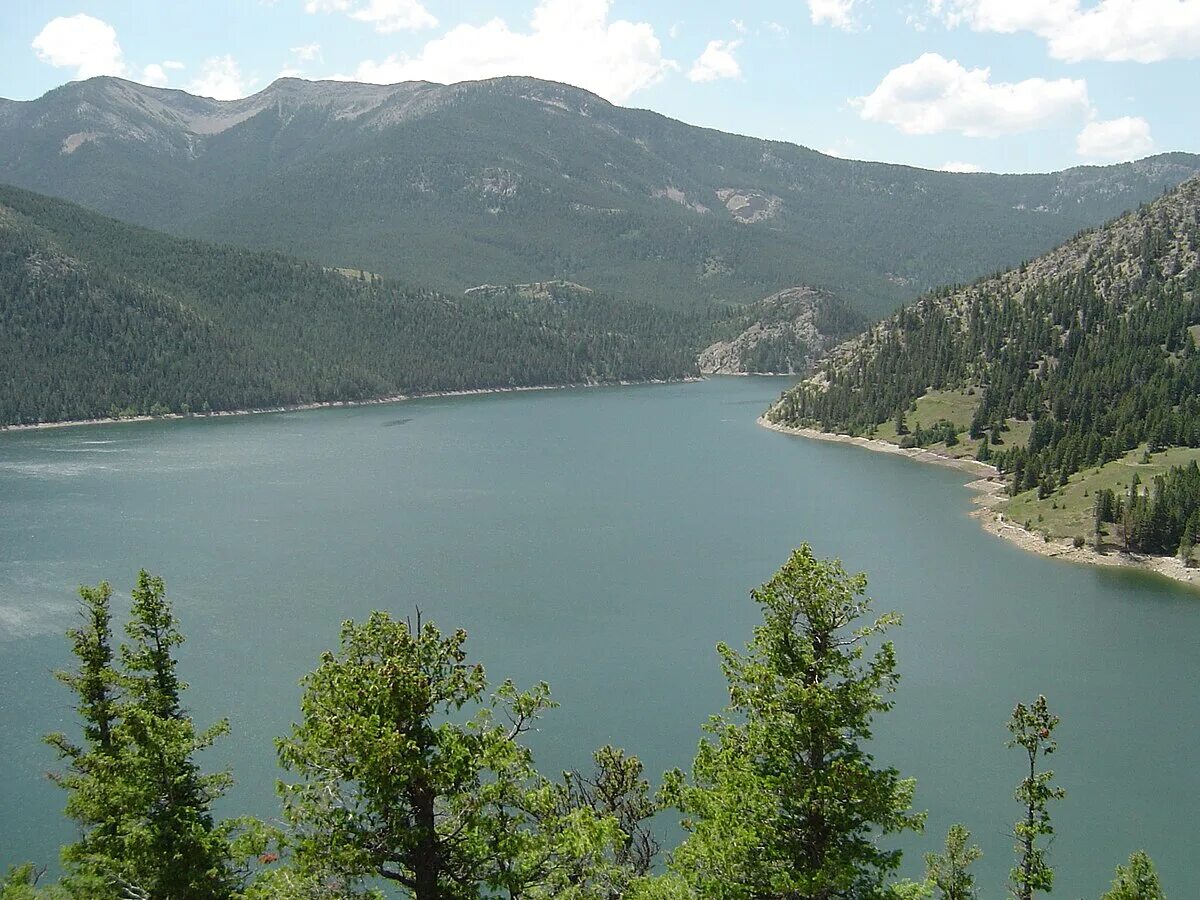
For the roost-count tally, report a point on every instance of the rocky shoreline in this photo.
(989, 488)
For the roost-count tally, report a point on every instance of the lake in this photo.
(603, 540)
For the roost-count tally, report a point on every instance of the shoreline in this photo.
(989, 493)
(333, 404)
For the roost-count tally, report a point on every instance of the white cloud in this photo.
(1115, 140)
(567, 40)
(955, 166)
(221, 79)
(386, 16)
(1112, 30)
(87, 44)
(307, 52)
(738, 25)
(776, 29)
(933, 94)
(154, 75)
(838, 13)
(717, 61)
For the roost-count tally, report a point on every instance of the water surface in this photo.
(603, 540)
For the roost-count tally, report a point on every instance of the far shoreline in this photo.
(989, 488)
(334, 404)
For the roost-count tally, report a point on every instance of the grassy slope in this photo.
(1067, 513)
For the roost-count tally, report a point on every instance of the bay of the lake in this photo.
(603, 540)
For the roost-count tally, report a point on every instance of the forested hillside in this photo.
(1091, 350)
(101, 318)
(520, 180)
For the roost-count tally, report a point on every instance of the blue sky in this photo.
(1000, 85)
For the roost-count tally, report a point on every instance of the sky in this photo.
(966, 85)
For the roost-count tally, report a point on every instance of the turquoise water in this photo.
(603, 540)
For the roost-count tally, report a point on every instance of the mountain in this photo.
(98, 318)
(1066, 363)
(516, 180)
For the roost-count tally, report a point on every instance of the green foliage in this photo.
(21, 883)
(392, 786)
(948, 872)
(1136, 881)
(784, 800)
(408, 771)
(1032, 730)
(141, 802)
(1162, 520)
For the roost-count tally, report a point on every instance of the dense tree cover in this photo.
(1093, 345)
(516, 180)
(1161, 518)
(100, 318)
(407, 773)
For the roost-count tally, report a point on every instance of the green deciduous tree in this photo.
(1032, 728)
(1136, 881)
(784, 799)
(948, 873)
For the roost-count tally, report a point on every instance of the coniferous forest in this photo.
(101, 318)
(409, 771)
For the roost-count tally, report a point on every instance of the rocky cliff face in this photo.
(787, 333)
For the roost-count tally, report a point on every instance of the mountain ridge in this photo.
(517, 180)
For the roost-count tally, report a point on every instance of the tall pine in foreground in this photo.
(95, 796)
(785, 801)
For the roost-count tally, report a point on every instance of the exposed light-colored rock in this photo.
(748, 205)
(73, 142)
(677, 196)
(790, 315)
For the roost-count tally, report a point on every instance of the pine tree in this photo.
(1032, 728)
(176, 849)
(95, 797)
(785, 800)
(948, 872)
(1136, 881)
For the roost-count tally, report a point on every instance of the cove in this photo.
(603, 540)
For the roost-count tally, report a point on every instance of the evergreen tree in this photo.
(143, 806)
(95, 799)
(948, 872)
(175, 849)
(1136, 881)
(784, 799)
(1032, 728)
(391, 786)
